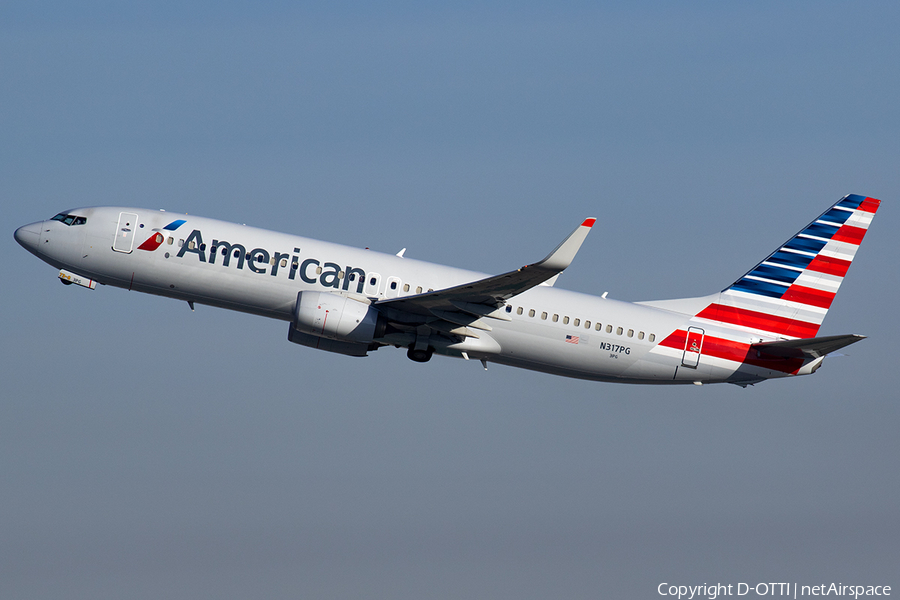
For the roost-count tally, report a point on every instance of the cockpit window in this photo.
(70, 219)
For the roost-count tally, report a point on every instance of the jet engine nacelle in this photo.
(336, 317)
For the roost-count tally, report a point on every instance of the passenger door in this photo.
(693, 347)
(124, 241)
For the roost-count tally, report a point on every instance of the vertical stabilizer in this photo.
(788, 294)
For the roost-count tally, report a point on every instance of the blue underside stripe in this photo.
(777, 273)
(806, 245)
(801, 261)
(821, 230)
(836, 216)
(852, 201)
(759, 287)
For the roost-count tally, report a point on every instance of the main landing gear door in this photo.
(125, 232)
(693, 346)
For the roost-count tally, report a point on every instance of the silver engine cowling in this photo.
(335, 323)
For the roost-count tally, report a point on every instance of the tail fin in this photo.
(788, 294)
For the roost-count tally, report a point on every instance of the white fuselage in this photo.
(261, 272)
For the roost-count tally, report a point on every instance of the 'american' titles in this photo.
(259, 260)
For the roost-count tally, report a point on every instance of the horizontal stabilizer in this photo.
(806, 348)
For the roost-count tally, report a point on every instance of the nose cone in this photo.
(29, 236)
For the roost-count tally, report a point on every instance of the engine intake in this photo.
(337, 317)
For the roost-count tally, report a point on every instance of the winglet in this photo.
(562, 255)
(492, 292)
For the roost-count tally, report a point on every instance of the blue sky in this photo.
(153, 451)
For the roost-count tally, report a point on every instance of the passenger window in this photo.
(430, 290)
(340, 274)
(318, 270)
(640, 335)
(237, 253)
(565, 320)
(419, 289)
(576, 322)
(192, 245)
(618, 331)
(171, 240)
(393, 285)
(631, 333)
(531, 312)
(609, 329)
(283, 263)
(519, 310)
(587, 324)
(598, 326)
(509, 309)
(372, 280)
(652, 337)
(405, 287)
(555, 318)
(543, 316)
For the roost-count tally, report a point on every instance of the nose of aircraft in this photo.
(29, 236)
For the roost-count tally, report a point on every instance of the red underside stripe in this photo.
(805, 295)
(758, 320)
(734, 351)
(829, 265)
(849, 234)
(869, 205)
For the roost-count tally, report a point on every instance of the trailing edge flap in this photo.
(550, 282)
(493, 291)
(806, 348)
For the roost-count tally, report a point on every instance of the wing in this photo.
(464, 304)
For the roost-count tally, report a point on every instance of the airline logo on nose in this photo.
(154, 241)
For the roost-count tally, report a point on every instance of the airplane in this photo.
(354, 301)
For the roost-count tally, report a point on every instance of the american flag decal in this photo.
(572, 339)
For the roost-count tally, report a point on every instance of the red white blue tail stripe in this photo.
(784, 297)
(788, 294)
